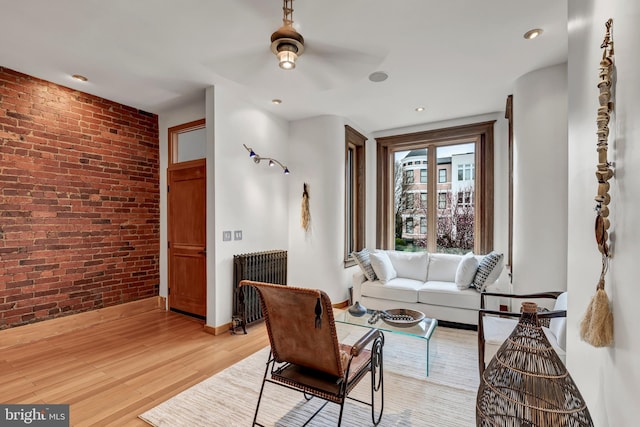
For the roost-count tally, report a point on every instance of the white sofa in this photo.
(439, 285)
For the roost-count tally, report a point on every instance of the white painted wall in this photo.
(241, 195)
(190, 111)
(250, 197)
(540, 176)
(317, 149)
(501, 173)
(609, 378)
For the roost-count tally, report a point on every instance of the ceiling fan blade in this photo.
(330, 66)
(242, 67)
(343, 54)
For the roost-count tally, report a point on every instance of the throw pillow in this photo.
(443, 267)
(466, 270)
(362, 259)
(410, 265)
(488, 271)
(382, 266)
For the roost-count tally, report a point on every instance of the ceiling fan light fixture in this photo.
(286, 43)
(287, 59)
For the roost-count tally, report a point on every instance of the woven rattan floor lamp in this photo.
(526, 383)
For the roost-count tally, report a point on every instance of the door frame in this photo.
(173, 136)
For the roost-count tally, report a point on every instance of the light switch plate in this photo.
(226, 236)
(237, 235)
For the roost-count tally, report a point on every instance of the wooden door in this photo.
(187, 237)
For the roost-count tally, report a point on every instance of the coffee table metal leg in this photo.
(428, 357)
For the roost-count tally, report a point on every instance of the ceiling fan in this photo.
(286, 42)
(324, 66)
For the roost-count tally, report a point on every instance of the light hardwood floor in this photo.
(113, 371)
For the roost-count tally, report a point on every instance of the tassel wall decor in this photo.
(305, 215)
(596, 327)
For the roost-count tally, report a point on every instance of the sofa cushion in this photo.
(443, 267)
(382, 266)
(411, 265)
(362, 259)
(488, 271)
(447, 294)
(398, 289)
(466, 270)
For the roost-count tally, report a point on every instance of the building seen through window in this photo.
(450, 209)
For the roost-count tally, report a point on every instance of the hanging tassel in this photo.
(596, 327)
(318, 314)
(305, 215)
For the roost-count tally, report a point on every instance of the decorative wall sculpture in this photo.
(597, 325)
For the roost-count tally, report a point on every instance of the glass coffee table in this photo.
(423, 330)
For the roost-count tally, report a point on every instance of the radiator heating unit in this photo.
(266, 266)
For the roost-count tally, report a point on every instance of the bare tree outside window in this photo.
(452, 203)
(456, 224)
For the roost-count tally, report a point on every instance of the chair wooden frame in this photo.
(305, 354)
(484, 312)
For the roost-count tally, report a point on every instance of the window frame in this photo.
(480, 133)
(409, 225)
(409, 176)
(355, 188)
(423, 225)
(423, 176)
(442, 178)
(442, 200)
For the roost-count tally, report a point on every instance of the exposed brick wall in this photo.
(79, 201)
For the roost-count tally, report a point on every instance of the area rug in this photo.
(446, 398)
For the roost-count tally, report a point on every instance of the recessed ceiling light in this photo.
(80, 77)
(276, 101)
(378, 76)
(419, 109)
(532, 34)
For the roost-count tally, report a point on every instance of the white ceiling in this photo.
(456, 58)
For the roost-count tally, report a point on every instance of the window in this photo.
(409, 225)
(442, 200)
(423, 175)
(409, 204)
(464, 198)
(354, 193)
(423, 225)
(465, 172)
(408, 176)
(470, 222)
(187, 142)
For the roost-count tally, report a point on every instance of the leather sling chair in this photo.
(306, 355)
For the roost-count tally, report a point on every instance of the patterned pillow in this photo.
(491, 263)
(362, 259)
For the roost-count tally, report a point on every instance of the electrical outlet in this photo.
(226, 236)
(237, 235)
